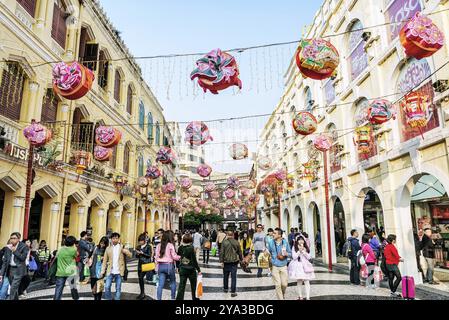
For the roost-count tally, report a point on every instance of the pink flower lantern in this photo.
(229, 193)
(380, 111)
(305, 123)
(165, 155)
(280, 175)
(107, 137)
(72, 80)
(142, 182)
(102, 154)
(204, 170)
(322, 142)
(186, 183)
(265, 163)
(238, 151)
(37, 134)
(197, 210)
(210, 187)
(233, 182)
(197, 133)
(153, 172)
(215, 195)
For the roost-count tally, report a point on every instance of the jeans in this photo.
(15, 279)
(206, 256)
(354, 275)
(393, 271)
(81, 270)
(108, 285)
(185, 274)
(280, 279)
(4, 286)
(166, 270)
(257, 253)
(430, 266)
(230, 268)
(60, 283)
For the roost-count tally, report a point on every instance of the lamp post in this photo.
(28, 191)
(326, 192)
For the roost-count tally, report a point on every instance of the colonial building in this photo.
(36, 34)
(403, 181)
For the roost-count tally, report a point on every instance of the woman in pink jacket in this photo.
(370, 259)
(165, 264)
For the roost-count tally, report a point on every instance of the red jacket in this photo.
(391, 254)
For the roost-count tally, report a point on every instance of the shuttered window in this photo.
(141, 115)
(11, 91)
(117, 86)
(113, 160)
(59, 27)
(150, 126)
(140, 173)
(126, 159)
(103, 70)
(49, 107)
(29, 6)
(158, 135)
(129, 100)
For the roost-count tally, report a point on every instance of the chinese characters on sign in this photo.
(399, 12)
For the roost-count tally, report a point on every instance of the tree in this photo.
(198, 219)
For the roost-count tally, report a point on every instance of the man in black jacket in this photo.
(230, 256)
(85, 252)
(428, 251)
(14, 265)
(354, 248)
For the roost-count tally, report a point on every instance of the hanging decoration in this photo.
(169, 187)
(186, 183)
(204, 170)
(250, 184)
(197, 210)
(254, 198)
(265, 163)
(380, 111)
(415, 107)
(265, 188)
(72, 80)
(82, 160)
(37, 134)
(165, 155)
(195, 193)
(280, 175)
(229, 193)
(142, 182)
(420, 37)
(244, 192)
(233, 182)
(290, 182)
(217, 71)
(197, 133)
(215, 194)
(239, 151)
(305, 123)
(210, 187)
(153, 172)
(202, 203)
(310, 170)
(322, 142)
(317, 59)
(107, 137)
(363, 139)
(102, 154)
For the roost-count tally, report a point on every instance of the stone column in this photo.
(115, 216)
(41, 15)
(78, 219)
(13, 215)
(98, 222)
(31, 107)
(73, 27)
(49, 225)
(126, 228)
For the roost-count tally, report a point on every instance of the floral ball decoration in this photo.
(290, 182)
(317, 59)
(280, 175)
(420, 37)
(215, 195)
(204, 170)
(165, 155)
(102, 154)
(210, 187)
(250, 184)
(233, 182)
(37, 134)
(322, 142)
(169, 187)
(229, 203)
(195, 193)
(380, 111)
(202, 203)
(186, 183)
(72, 80)
(254, 198)
(236, 202)
(229, 193)
(244, 192)
(265, 188)
(153, 172)
(217, 71)
(216, 210)
(142, 182)
(415, 107)
(107, 137)
(197, 210)
(305, 123)
(265, 163)
(197, 133)
(238, 151)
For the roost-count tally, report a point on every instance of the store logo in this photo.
(20, 153)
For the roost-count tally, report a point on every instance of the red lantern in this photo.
(102, 154)
(420, 37)
(415, 108)
(72, 80)
(305, 123)
(107, 137)
(317, 59)
(363, 139)
(380, 111)
(197, 133)
(204, 170)
(165, 155)
(82, 159)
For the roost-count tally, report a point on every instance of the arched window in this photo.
(158, 135)
(398, 12)
(150, 126)
(117, 86)
(129, 100)
(29, 6)
(358, 58)
(49, 107)
(126, 155)
(11, 90)
(140, 170)
(141, 115)
(103, 70)
(59, 26)
(309, 99)
(360, 119)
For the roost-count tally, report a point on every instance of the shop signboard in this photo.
(20, 153)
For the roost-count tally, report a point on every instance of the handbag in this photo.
(32, 266)
(199, 287)
(378, 275)
(147, 267)
(364, 271)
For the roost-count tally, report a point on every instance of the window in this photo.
(165, 143)
(129, 100)
(140, 172)
(49, 107)
(113, 160)
(158, 134)
(11, 91)
(117, 85)
(59, 27)
(141, 115)
(88, 52)
(126, 158)
(398, 12)
(150, 126)
(103, 70)
(360, 119)
(358, 58)
(309, 100)
(329, 91)
(29, 6)
(192, 157)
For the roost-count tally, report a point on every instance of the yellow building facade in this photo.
(404, 178)
(33, 34)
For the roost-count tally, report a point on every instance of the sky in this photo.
(158, 27)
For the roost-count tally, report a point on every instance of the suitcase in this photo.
(408, 288)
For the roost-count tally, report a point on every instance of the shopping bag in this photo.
(264, 261)
(32, 266)
(199, 287)
(364, 271)
(378, 274)
(213, 251)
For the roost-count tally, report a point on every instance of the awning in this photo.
(428, 188)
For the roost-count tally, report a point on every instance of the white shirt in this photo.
(197, 240)
(12, 263)
(115, 259)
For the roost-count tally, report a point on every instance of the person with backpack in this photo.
(85, 251)
(259, 246)
(353, 248)
(43, 254)
(230, 256)
(428, 251)
(370, 260)
(280, 252)
(96, 264)
(300, 268)
(206, 246)
(66, 269)
(375, 244)
(188, 267)
(268, 238)
(392, 261)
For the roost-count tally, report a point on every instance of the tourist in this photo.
(113, 267)
(157, 238)
(246, 247)
(206, 245)
(269, 238)
(14, 264)
(353, 248)
(280, 252)
(188, 267)
(392, 260)
(291, 237)
(230, 256)
(337, 242)
(428, 251)
(165, 264)
(370, 260)
(197, 243)
(300, 268)
(84, 253)
(26, 279)
(259, 246)
(318, 242)
(96, 265)
(144, 253)
(375, 244)
(220, 237)
(43, 254)
(66, 269)
(4, 282)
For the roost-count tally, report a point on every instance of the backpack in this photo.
(347, 249)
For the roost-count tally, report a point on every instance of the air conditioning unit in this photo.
(441, 85)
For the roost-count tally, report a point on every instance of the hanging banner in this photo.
(399, 12)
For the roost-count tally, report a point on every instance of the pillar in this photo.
(98, 222)
(115, 216)
(72, 34)
(41, 16)
(13, 216)
(127, 226)
(49, 225)
(78, 219)
(31, 107)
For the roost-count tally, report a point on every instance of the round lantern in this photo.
(233, 182)
(204, 170)
(280, 175)
(102, 154)
(265, 188)
(415, 107)
(317, 59)
(142, 182)
(363, 139)
(305, 123)
(264, 163)
(107, 137)
(380, 111)
(229, 203)
(322, 142)
(197, 133)
(216, 210)
(169, 187)
(239, 151)
(72, 80)
(244, 192)
(250, 184)
(420, 37)
(82, 159)
(165, 155)
(37, 134)
(202, 203)
(217, 71)
(309, 172)
(215, 195)
(290, 182)
(197, 210)
(229, 193)
(210, 187)
(186, 183)
(236, 202)
(153, 172)
(195, 193)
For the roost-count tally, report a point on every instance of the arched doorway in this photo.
(373, 218)
(34, 227)
(157, 224)
(286, 221)
(314, 230)
(339, 226)
(297, 221)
